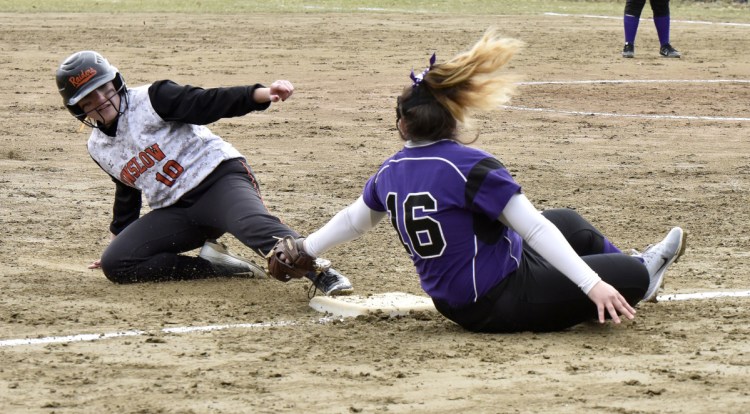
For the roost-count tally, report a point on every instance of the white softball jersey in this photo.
(164, 160)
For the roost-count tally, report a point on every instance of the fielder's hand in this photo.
(609, 300)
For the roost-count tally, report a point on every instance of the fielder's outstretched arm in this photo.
(347, 225)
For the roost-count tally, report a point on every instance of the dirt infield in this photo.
(677, 160)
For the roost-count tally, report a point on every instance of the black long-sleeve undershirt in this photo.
(194, 105)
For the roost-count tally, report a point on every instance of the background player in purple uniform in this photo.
(490, 261)
(153, 142)
(660, 8)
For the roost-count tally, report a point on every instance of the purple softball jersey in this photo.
(444, 199)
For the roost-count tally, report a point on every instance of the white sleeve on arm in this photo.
(348, 224)
(520, 215)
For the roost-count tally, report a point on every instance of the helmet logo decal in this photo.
(82, 77)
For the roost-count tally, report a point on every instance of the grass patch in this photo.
(724, 10)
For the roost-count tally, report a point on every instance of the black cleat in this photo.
(331, 283)
(628, 51)
(667, 50)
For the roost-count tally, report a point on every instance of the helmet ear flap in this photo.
(119, 83)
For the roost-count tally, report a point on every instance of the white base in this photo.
(391, 303)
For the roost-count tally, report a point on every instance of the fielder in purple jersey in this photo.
(632, 18)
(440, 197)
(153, 142)
(489, 260)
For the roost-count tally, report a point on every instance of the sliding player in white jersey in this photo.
(153, 142)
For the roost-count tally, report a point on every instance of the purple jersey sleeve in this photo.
(490, 187)
(369, 195)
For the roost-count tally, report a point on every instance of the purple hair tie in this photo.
(417, 79)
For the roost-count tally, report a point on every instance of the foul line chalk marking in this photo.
(67, 339)
(702, 295)
(8, 343)
(175, 330)
(593, 16)
(610, 81)
(189, 329)
(611, 114)
(588, 16)
(704, 118)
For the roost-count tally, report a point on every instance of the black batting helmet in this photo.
(80, 74)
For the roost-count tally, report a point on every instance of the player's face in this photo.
(102, 104)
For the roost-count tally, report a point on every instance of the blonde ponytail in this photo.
(472, 80)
